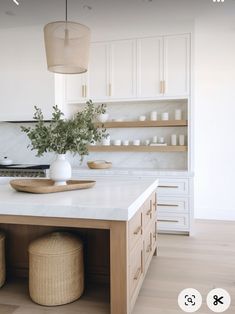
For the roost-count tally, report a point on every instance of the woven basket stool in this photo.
(56, 269)
(2, 259)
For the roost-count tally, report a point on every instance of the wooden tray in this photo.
(99, 164)
(44, 186)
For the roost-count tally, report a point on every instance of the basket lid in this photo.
(55, 243)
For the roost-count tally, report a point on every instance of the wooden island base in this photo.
(119, 250)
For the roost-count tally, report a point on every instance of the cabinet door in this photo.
(123, 69)
(176, 65)
(150, 67)
(98, 76)
(76, 87)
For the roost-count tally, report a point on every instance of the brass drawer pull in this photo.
(137, 274)
(149, 212)
(83, 94)
(137, 230)
(110, 90)
(165, 220)
(168, 205)
(161, 87)
(149, 248)
(169, 186)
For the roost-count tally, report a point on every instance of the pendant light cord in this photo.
(66, 10)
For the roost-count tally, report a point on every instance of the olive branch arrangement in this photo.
(62, 135)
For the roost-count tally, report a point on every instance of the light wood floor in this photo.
(204, 261)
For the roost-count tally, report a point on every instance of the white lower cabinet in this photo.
(174, 205)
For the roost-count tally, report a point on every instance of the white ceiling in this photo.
(31, 12)
(110, 14)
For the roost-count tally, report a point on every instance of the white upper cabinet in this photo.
(98, 73)
(149, 67)
(76, 87)
(176, 65)
(122, 69)
(144, 68)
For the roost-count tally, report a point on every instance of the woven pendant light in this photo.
(67, 46)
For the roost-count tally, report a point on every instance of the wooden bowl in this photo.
(99, 164)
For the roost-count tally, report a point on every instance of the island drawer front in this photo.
(148, 245)
(173, 186)
(136, 267)
(168, 221)
(154, 234)
(173, 204)
(135, 229)
(149, 211)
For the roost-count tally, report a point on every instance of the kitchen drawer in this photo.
(173, 205)
(154, 201)
(154, 234)
(173, 187)
(135, 229)
(136, 267)
(148, 245)
(168, 221)
(149, 211)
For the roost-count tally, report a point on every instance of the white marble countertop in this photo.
(131, 172)
(110, 199)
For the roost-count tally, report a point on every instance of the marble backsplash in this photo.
(14, 143)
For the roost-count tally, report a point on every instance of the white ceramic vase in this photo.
(60, 170)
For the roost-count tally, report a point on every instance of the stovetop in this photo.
(25, 166)
(23, 170)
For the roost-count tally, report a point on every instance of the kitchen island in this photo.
(126, 208)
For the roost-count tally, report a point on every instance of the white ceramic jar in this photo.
(178, 114)
(165, 116)
(153, 116)
(173, 139)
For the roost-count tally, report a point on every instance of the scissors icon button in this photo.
(218, 300)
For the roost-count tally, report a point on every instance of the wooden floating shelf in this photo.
(142, 124)
(132, 148)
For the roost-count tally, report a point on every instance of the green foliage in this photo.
(66, 135)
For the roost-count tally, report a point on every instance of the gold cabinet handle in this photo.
(137, 230)
(169, 186)
(166, 220)
(149, 212)
(82, 91)
(168, 205)
(85, 90)
(137, 274)
(164, 87)
(161, 87)
(110, 89)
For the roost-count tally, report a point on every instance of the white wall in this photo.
(24, 79)
(215, 114)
